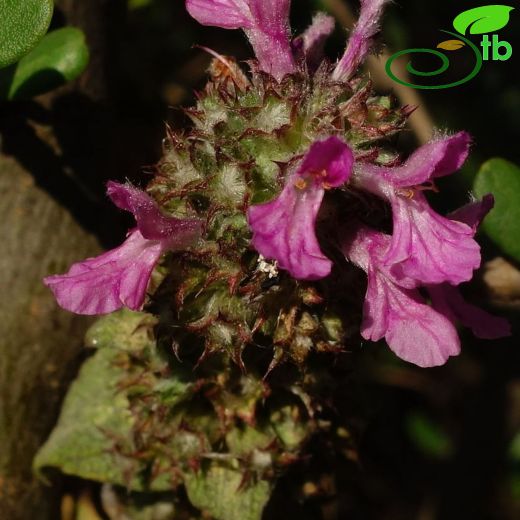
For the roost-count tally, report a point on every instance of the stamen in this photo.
(410, 192)
(428, 186)
(300, 183)
(407, 193)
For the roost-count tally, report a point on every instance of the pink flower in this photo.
(284, 229)
(474, 213)
(393, 309)
(119, 278)
(265, 22)
(448, 300)
(425, 246)
(361, 39)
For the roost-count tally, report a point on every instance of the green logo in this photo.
(480, 20)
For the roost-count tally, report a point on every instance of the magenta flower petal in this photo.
(115, 279)
(266, 23)
(451, 153)
(435, 159)
(152, 224)
(284, 228)
(314, 39)
(425, 246)
(428, 247)
(328, 162)
(229, 14)
(119, 277)
(474, 213)
(361, 38)
(448, 301)
(412, 329)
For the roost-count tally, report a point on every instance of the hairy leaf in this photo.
(95, 418)
(220, 491)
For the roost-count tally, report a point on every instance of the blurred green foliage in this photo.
(428, 436)
(502, 179)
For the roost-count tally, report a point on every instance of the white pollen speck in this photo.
(268, 267)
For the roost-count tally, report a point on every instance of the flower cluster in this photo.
(414, 264)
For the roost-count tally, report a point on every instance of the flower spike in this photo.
(288, 167)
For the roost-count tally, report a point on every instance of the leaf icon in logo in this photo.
(482, 20)
(451, 45)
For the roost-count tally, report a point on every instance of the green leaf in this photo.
(502, 225)
(222, 493)
(61, 56)
(514, 448)
(119, 331)
(138, 418)
(95, 415)
(483, 20)
(22, 24)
